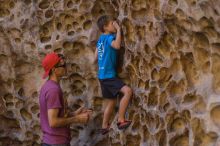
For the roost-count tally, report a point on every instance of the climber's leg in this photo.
(127, 95)
(109, 105)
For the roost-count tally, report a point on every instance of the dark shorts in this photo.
(111, 87)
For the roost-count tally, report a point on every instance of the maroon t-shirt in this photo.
(51, 97)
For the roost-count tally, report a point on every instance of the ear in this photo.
(53, 70)
(104, 27)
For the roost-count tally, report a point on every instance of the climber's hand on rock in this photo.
(115, 24)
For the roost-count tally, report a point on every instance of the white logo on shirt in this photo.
(100, 50)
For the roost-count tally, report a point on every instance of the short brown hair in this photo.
(102, 21)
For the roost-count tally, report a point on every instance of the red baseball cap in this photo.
(49, 61)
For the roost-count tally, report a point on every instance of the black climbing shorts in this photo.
(111, 87)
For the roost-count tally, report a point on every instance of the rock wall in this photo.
(170, 57)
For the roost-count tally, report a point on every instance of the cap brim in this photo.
(46, 74)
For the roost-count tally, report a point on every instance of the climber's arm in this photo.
(117, 42)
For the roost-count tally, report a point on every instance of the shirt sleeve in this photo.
(53, 99)
(110, 39)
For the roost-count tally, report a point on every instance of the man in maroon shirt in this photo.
(53, 116)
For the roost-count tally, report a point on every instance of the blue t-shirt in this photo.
(107, 57)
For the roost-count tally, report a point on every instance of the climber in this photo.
(106, 54)
(54, 119)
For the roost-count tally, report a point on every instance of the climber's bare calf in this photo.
(109, 105)
(127, 95)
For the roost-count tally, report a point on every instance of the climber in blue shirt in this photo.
(106, 54)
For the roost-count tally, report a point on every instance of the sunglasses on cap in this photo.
(61, 56)
(63, 65)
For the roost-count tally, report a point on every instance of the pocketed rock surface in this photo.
(170, 56)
